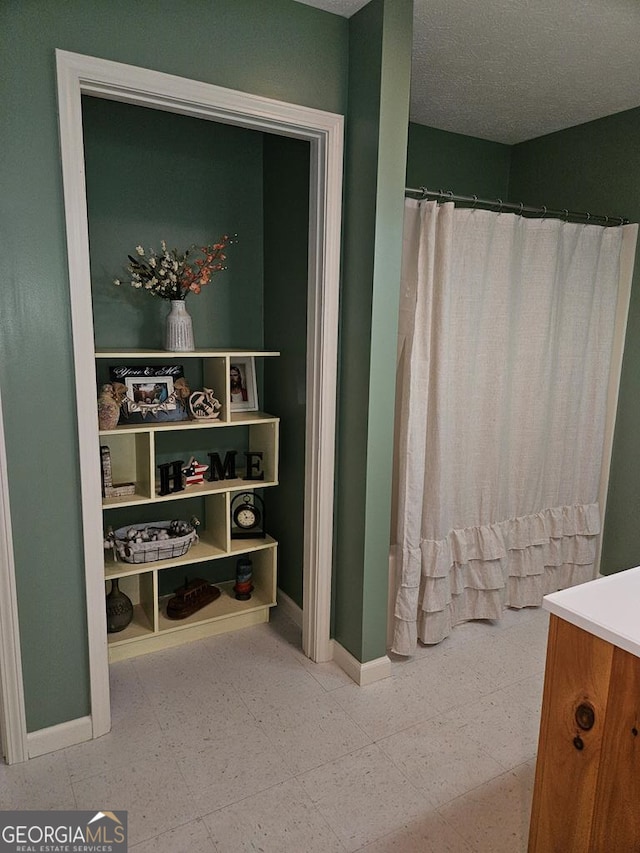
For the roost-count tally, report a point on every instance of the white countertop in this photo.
(607, 607)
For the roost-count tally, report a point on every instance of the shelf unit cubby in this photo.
(136, 450)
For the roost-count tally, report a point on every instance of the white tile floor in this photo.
(238, 743)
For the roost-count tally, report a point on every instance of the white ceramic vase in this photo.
(179, 330)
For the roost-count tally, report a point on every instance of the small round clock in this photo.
(246, 516)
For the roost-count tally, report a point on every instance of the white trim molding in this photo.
(361, 673)
(13, 725)
(59, 737)
(85, 75)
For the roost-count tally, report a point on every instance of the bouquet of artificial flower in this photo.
(172, 275)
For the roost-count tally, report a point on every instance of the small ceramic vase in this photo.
(119, 609)
(179, 329)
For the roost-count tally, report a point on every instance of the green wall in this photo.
(190, 182)
(438, 160)
(278, 49)
(376, 140)
(595, 167)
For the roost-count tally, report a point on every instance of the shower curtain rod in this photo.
(520, 208)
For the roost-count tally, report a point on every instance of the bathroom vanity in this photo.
(587, 784)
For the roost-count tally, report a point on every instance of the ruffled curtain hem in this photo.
(475, 572)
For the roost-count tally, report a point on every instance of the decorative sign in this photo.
(223, 470)
(158, 392)
(171, 477)
(120, 373)
(227, 470)
(174, 476)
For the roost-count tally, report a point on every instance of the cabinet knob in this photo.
(585, 716)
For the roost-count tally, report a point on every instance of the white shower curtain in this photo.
(505, 338)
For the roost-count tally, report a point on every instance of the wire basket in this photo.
(131, 551)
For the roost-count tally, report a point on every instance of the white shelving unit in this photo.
(135, 452)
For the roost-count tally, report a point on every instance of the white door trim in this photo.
(13, 724)
(78, 75)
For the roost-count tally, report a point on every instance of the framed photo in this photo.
(144, 394)
(153, 393)
(242, 383)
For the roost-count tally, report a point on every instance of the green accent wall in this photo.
(376, 141)
(278, 49)
(595, 167)
(438, 159)
(190, 182)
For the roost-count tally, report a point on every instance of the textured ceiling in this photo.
(511, 70)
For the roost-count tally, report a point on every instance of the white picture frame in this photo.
(149, 394)
(243, 389)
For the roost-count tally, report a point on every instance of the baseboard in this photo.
(361, 673)
(289, 608)
(58, 737)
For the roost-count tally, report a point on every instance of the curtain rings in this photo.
(544, 210)
(521, 208)
(475, 201)
(566, 214)
(500, 203)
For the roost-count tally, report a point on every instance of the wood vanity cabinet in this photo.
(587, 784)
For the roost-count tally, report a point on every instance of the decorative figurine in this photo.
(190, 598)
(194, 472)
(109, 543)
(182, 392)
(243, 586)
(109, 401)
(202, 405)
